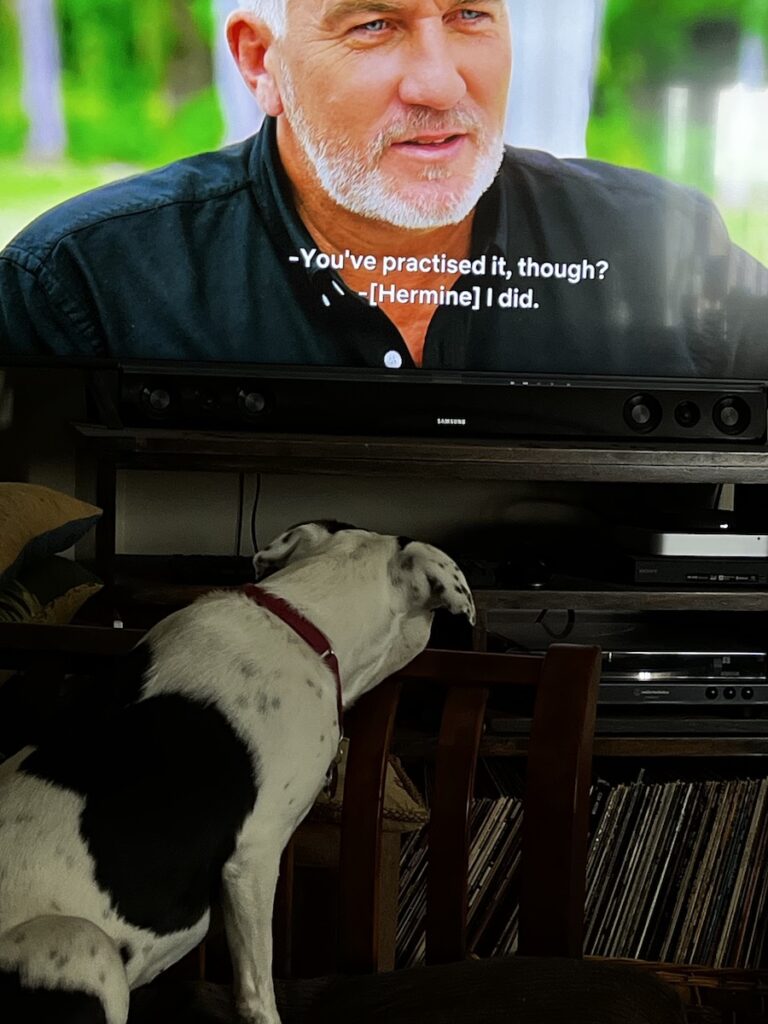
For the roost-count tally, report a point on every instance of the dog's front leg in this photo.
(250, 879)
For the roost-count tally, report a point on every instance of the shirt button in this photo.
(393, 360)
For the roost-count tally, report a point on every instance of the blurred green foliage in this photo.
(649, 45)
(13, 121)
(136, 79)
(121, 100)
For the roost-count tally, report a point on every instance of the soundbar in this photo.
(290, 399)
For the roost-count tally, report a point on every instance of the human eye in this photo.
(470, 16)
(375, 27)
(372, 33)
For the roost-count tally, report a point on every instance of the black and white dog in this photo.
(111, 839)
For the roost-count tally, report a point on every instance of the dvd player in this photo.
(669, 570)
(714, 663)
(687, 677)
(703, 534)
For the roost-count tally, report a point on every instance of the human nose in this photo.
(430, 76)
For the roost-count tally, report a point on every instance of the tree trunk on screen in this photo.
(556, 48)
(41, 79)
(189, 70)
(242, 115)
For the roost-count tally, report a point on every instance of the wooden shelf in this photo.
(166, 580)
(446, 458)
(433, 459)
(623, 599)
(639, 747)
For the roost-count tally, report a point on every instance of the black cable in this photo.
(240, 502)
(565, 631)
(254, 538)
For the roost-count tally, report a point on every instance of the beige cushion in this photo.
(37, 522)
(404, 810)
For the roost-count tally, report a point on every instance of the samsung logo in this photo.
(443, 421)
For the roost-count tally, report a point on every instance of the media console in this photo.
(110, 452)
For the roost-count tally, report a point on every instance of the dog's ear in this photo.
(298, 542)
(433, 579)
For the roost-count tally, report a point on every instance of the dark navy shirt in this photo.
(198, 261)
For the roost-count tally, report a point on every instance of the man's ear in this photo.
(250, 41)
(434, 580)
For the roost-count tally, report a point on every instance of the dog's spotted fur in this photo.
(111, 839)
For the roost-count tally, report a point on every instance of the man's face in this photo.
(396, 106)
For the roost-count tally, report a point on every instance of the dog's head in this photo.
(298, 542)
(425, 575)
(375, 592)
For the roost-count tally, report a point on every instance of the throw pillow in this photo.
(36, 522)
(48, 592)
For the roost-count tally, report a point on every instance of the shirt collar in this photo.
(490, 229)
(272, 191)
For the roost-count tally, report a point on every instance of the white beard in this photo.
(352, 178)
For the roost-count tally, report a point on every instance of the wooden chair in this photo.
(548, 980)
(558, 775)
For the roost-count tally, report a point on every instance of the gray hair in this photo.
(270, 11)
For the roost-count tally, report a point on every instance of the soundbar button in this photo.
(157, 399)
(251, 402)
(642, 413)
(687, 414)
(731, 415)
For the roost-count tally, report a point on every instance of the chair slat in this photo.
(556, 803)
(460, 732)
(369, 727)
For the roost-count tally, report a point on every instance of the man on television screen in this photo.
(378, 220)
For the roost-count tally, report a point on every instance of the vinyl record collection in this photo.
(677, 872)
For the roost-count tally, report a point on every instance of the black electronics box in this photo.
(706, 572)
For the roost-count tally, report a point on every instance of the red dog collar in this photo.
(310, 634)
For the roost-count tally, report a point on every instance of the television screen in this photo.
(397, 187)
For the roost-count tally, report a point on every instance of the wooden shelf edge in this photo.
(611, 746)
(476, 458)
(621, 598)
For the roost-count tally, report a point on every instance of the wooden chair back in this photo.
(556, 804)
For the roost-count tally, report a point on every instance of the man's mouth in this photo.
(433, 143)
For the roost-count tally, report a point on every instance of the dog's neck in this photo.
(363, 661)
(305, 629)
